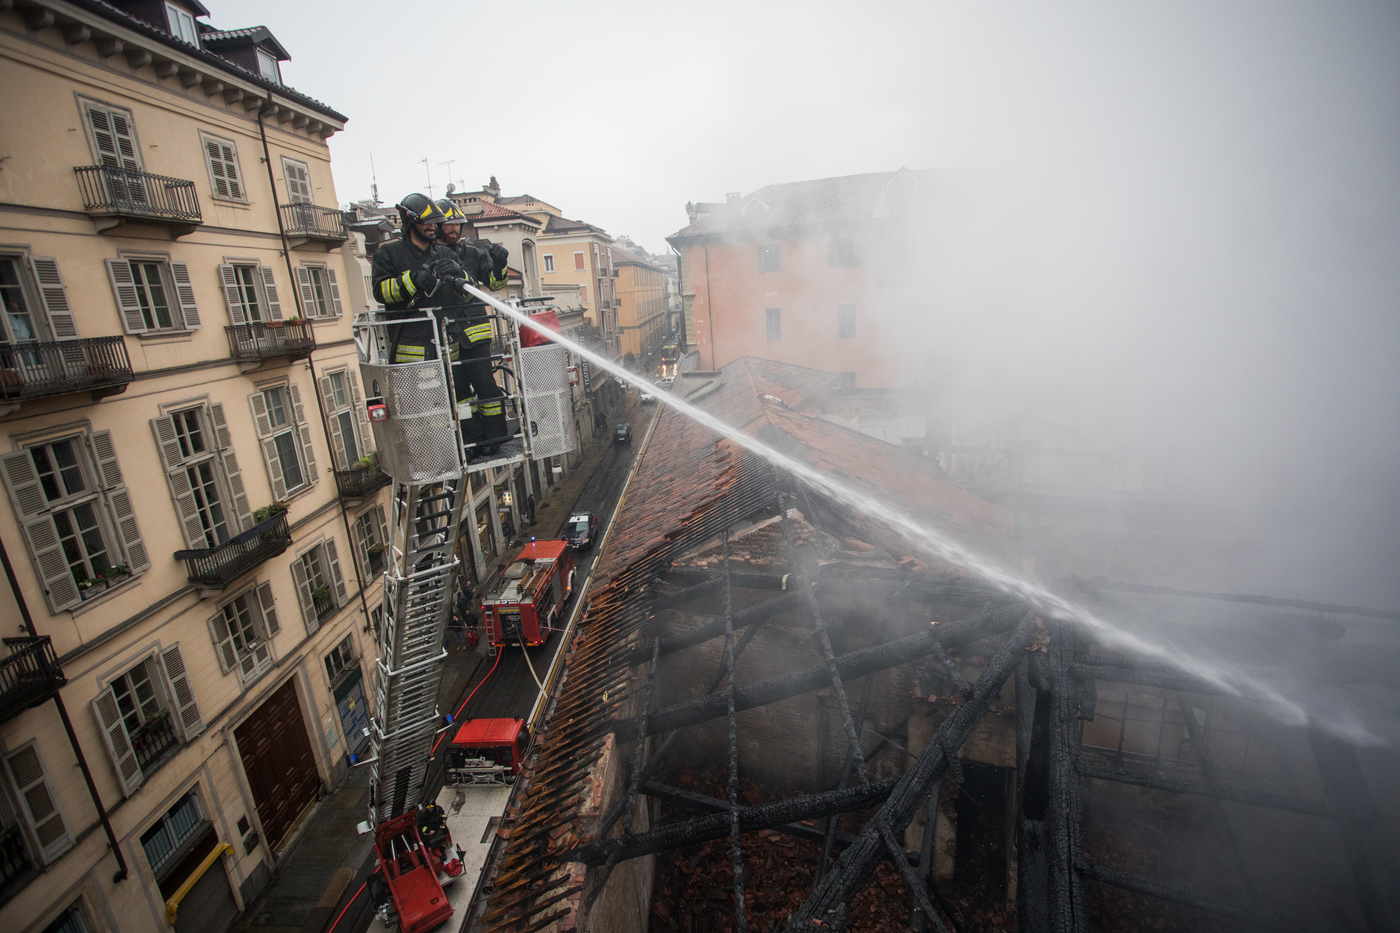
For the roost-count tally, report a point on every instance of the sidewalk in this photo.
(314, 876)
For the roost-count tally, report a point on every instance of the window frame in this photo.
(177, 459)
(770, 257)
(844, 253)
(327, 573)
(548, 263)
(175, 693)
(347, 655)
(207, 139)
(175, 280)
(175, 17)
(29, 297)
(60, 843)
(773, 321)
(270, 434)
(196, 823)
(845, 322)
(292, 195)
(327, 306)
(266, 59)
(254, 657)
(369, 529)
(86, 105)
(580, 261)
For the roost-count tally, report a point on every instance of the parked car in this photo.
(647, 398)
(665, 382)
(580, 530)
(623, 434)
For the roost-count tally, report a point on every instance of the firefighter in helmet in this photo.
(416, 272)
(483, 263)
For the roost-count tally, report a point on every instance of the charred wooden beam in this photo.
(743, 619)
(1150, 677)
(849, 666)
(1064, 817)
(743, 579)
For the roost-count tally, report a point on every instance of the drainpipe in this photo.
(121, 873)
(277, 209)
(709, 306)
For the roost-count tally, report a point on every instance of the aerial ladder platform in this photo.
(414, 419)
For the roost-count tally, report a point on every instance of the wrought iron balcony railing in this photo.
(30, 675)
(35, 370)
(357, 484)
(153, 739)
(220, 566)
(118, 192)
(15, 864)
(264, 341)
(317, 223)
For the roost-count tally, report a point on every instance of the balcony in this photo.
(307, 223)
(29, 676)
(115, 197)
(359, 484)
(151, 740)
(257, 342)
(16, 869)
(216, 568)
(36, 370)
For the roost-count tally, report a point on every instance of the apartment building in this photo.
(640, 287)
(192, 512)
(815, 273)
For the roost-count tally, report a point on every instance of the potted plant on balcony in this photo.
(89, 588)
(115, 575)
(275, 508)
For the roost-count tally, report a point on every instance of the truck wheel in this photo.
(571, 585)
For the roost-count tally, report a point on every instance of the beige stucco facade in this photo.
(641, 303)
(167, 432)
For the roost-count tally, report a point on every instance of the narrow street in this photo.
(325, 868)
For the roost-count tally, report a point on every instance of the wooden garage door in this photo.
(277, 758)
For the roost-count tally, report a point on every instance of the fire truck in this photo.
(487, 751)
(531, 595)
(413, 411)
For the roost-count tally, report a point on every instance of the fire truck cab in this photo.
(531, 595)
(487, 751)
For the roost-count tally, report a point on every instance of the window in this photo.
(163, 840)
(250, 291)
(182, 25)
(113, 138)
(320, 295)
(20, 321)
(848, 380)
(320, 586)
(70, 921)
(225, 177)
(153, 294)
(583, 294)
(844, 253)
(341, 660)
(285, 438)
(76, 514)
(267, 66)
(578, 260)
(371, 541)
(775, 323)
(145, 712)
(19, 325)
(298, 181)
(43, 819)
(845, 321)
(242, 631)
(346, 416)
(549, 262)
(202, 473)
(769, 257)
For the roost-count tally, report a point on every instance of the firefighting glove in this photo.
(499, 256)
(445, 268)
(424, 282)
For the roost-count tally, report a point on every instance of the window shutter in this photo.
(334, 288)
(223, 642)
(118, 499)
(114, 733)
(191, 723)
(304, 597)
(298, 182)
(230, 159)
(305, 431)
(22, 481)
(381, 525)
(216, 168)
(124, 287)
(167, 442)
(257, 661)
(229, 280)
(231, 472)
(269, 449)
(112, 132)
(274, 307)
(361, 547)
(40, 803)
(308, 294)
(357, 402)
(337, 441)
(186, 509)
(55, 296)
(184, 290)
(269, 609)
(337, 579)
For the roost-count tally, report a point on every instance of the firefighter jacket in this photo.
(476, 263)
(395, 265)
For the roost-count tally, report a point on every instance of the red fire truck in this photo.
(487, 751)
(531, 595)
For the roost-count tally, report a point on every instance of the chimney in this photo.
(690, 210)
(733, 197)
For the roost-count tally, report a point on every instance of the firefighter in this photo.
(483, 263)
(417, 272)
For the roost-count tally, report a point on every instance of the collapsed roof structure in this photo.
(865, 717)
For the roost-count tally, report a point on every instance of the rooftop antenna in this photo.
(448, 163)
(427, 171)
(373, 182)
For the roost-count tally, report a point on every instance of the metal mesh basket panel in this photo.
(544, 376)
(418, 442)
